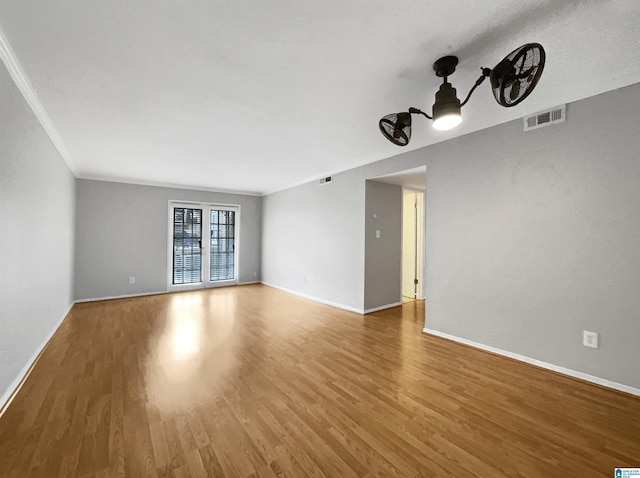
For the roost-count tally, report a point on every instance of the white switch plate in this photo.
(132, 280)
(590, 339)
(377, 233)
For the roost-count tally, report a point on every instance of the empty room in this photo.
(343, 239)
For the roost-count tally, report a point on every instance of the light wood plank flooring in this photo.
(252, 381)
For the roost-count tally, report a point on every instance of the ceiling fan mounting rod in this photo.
(446, 66)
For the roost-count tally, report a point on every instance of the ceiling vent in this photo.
(554, 115)
(326, 180)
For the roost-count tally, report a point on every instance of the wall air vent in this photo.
(326, 180)
(554, 115)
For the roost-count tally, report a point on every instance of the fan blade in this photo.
(515, 91)
(519, 60)
(524, 74)
(500, 71)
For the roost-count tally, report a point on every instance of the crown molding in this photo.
(160, 184)
(24, 85)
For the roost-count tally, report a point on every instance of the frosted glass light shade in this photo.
(447, 121)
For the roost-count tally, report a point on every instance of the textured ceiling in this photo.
(259, 95)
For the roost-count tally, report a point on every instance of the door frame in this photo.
(209, 284)
(205, 252)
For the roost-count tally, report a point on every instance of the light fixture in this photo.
(446, 109)
(512, 80)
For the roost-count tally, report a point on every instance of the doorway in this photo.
(202, 246)
(412, 244)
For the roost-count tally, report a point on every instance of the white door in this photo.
(221, 258)
(412, 245)
(203, 245)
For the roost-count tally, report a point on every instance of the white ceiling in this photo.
(259, 95)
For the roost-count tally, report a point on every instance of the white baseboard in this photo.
(142, 294)
(382, 307)
(316, 299)
(125, 296)
(9, 393)
(523, 358)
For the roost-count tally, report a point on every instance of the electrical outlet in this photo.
(255, 274)
(377, 233)
(590, 339)
(132, 280)
(303, 278)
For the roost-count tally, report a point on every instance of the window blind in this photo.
(222, 245)
(187, 242)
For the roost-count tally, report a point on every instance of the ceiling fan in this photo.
(512, 80)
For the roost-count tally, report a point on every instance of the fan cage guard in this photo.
(392, 130)
(525, 68)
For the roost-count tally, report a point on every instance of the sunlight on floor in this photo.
(190, 340)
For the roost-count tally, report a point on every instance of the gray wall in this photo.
(534, 237)
(36, 235)
(121, 231)
(383, 264)
(530, 237)
(317, 232)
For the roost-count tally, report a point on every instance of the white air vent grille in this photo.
(326, 180)
(554, 115)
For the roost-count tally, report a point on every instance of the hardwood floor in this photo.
(252, 381)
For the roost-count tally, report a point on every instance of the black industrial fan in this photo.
(396, 127)
(515, 77)
(512, 80)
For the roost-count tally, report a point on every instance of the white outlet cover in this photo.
(590, 339)
(132, 280)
